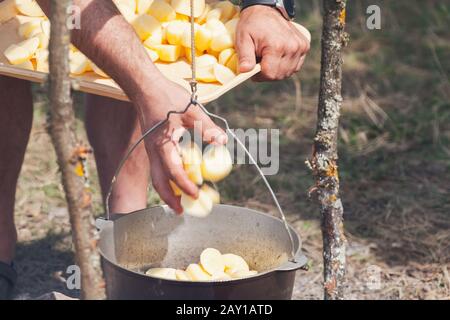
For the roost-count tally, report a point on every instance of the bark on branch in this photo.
(69, 153)
(325, 155)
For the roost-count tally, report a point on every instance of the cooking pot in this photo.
(156, 237)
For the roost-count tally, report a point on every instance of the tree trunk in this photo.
(70, 154)
(324, 158)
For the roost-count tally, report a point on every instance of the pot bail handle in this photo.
(194, 102)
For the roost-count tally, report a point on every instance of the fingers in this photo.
(245, 48)
(271, 65)
(173, 168)
(161, 184)
(203, 124)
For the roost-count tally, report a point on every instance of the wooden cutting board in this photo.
(178, 72)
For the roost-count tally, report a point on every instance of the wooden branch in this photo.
(69, 153)
(325, 155)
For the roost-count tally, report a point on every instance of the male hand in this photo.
(162, 145)
(263, 33)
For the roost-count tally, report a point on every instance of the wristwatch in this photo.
(286, 7)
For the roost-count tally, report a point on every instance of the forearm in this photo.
(110, 42)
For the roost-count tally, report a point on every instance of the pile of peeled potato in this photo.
(213, 165)
(162, 25)
(213, 266)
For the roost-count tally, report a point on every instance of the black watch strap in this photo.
(248, 3)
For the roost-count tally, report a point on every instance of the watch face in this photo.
(289, 5)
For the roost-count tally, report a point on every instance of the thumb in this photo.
(246, 52)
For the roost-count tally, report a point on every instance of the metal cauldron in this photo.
(155, 237)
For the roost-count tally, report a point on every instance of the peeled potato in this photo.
(220, 276)
(175, 30)
(31, 45)
(131, 4)
(231, 27)
(16, 54)
(212, 261)
(29, 8)
(191, 156)
(167, 52)
(43, 40)
(223, 74)
(182, 275)
(79, 63)
(154, 39)
(128, 14)
(188, 54)
(206, 74)
(200, 207)
(215, 13)
(203, 38)
(164, 273)
(142, 6)
(162, 11)
(145, 25)
(184, 7)
(233, 63)
(221, 42)
(197, 273)
(28, 28)
(227, 9)
(225, 56)
(187, 35)
(234, 263)
(216, 27)
(212, 193)
(205, 60)
(217, 163)
(152, 54)
(202, 18)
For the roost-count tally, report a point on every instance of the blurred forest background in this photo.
(394, 159)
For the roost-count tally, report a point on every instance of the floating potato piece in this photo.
(176, 190)
(167, 52)
(223, 74)
(212, 261)
(221, 42)
(203, 38)
(225, 56)
(197, 273)
(27, 64)
(233, 63)
(27, 28)
(162, 11)
(29, 8)
(244, 274)
(184, 7)
(217, 163)
(191, 156)
(79, 63)
(7, 10)
(175, 30)
(142, 6)
(206, 74)
(228, 10)
(202, 18)
(234, 263)
(200, 207)
(163, 273)
(182, 275)
(212, 193)
(152, 54)
(145, 25)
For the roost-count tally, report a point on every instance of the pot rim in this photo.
(299, 262)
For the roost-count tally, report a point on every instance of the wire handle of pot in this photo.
(194, 102)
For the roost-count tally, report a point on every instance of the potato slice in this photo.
(142, 6)
(152, 54)
(163, 273)
(244, 274)
(184, 7)
(233, 63)
(29, 8)
(200, 207)
(154, 39)
(205, 60)
(223, 74)
(212, 261)
(206, 74)
(228, 10)
(162, 11)
(176, 190)
(175, 30)
(16, 54)
(225, 56)
(221, 42)
(197, 273)
(234, 263)
(214, 14)
(217, 163)
(191, 156)
(31, 45)
(28, 28)
(212, 193)
(203, 38)
(79, 63)
(182, 275)
(202, 18)
(220, 276)
(145, 25)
